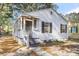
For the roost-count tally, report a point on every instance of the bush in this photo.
(56, 42)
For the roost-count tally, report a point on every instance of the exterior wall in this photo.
(56, 27)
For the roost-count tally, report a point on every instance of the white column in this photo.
(24, 22)
(21, 23)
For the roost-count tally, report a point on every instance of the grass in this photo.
(57, 42)
(74, 40)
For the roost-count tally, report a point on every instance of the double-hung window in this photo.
(63, 28)
(74, 29)
(46, 27)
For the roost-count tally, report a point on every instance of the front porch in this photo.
(28, 23)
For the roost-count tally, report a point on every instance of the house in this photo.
(45, 25)
(73, 25)
(73, 28)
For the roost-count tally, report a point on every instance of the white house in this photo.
(43, 25)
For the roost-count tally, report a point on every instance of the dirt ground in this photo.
(10, 47)
(8, 44)
(68, 48)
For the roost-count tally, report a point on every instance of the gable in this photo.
(59, 17)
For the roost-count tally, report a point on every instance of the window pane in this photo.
(46, 27)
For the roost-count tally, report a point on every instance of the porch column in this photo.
(21, 29)
(24, 26)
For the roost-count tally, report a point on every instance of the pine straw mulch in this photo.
(8, 44)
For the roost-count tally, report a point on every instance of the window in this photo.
(74, 29)
(46, 27)
(22, 23)
(63, 28)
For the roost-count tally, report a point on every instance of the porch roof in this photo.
(29, 17)
(43, 15)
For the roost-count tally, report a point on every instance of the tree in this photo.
(28, 7)
(5, 15)
(73, 16)
(6, 11)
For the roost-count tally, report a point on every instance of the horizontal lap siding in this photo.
(56, 20)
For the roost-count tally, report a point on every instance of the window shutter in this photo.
(42, 27)
(35, 23)
(66, 29)
(76, 29)
(71, 29)
(61, 28)
(50, 27)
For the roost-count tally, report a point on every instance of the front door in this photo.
(28, 27)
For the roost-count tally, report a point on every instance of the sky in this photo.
(66, 8)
